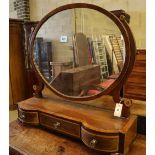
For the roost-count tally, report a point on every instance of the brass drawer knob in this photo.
(22, 116)
(56, 125)
(93, 142)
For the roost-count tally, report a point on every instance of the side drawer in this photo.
(28, 117)
(107, 143)
(59, 124)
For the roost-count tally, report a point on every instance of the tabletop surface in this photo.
(34, 141)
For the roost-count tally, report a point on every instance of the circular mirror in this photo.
(80, 51)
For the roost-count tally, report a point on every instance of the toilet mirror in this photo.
(80, 51)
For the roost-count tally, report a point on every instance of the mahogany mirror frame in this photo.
(130, 47)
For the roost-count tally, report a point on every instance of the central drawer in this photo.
(59, 124)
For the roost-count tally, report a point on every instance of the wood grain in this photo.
(106, 102)
(101, 120)
(103, 142)
(65, 126)
(73, 118)
(16, 62)
(28, 27)
(34, 141)
(135, 86)
(28, 117)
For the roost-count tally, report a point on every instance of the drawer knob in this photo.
(22, 116)
(93, 142)
(56, 125)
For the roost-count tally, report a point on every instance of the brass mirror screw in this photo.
(122, 17)
(126, 107)
(34, 87)
(126, 102)
(32, 29)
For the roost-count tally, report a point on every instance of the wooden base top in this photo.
(95, 119)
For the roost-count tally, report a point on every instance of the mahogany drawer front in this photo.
(59, 124)
(137, 78)
(28, 117)
(134, 89)
(139, 67)
(135, 96)
(141, 57)
(108, 143)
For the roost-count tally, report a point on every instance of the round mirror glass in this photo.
(79, 52)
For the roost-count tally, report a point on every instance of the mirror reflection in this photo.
(80, 52)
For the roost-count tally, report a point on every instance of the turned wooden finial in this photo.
(126, 106)
(38, 90)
